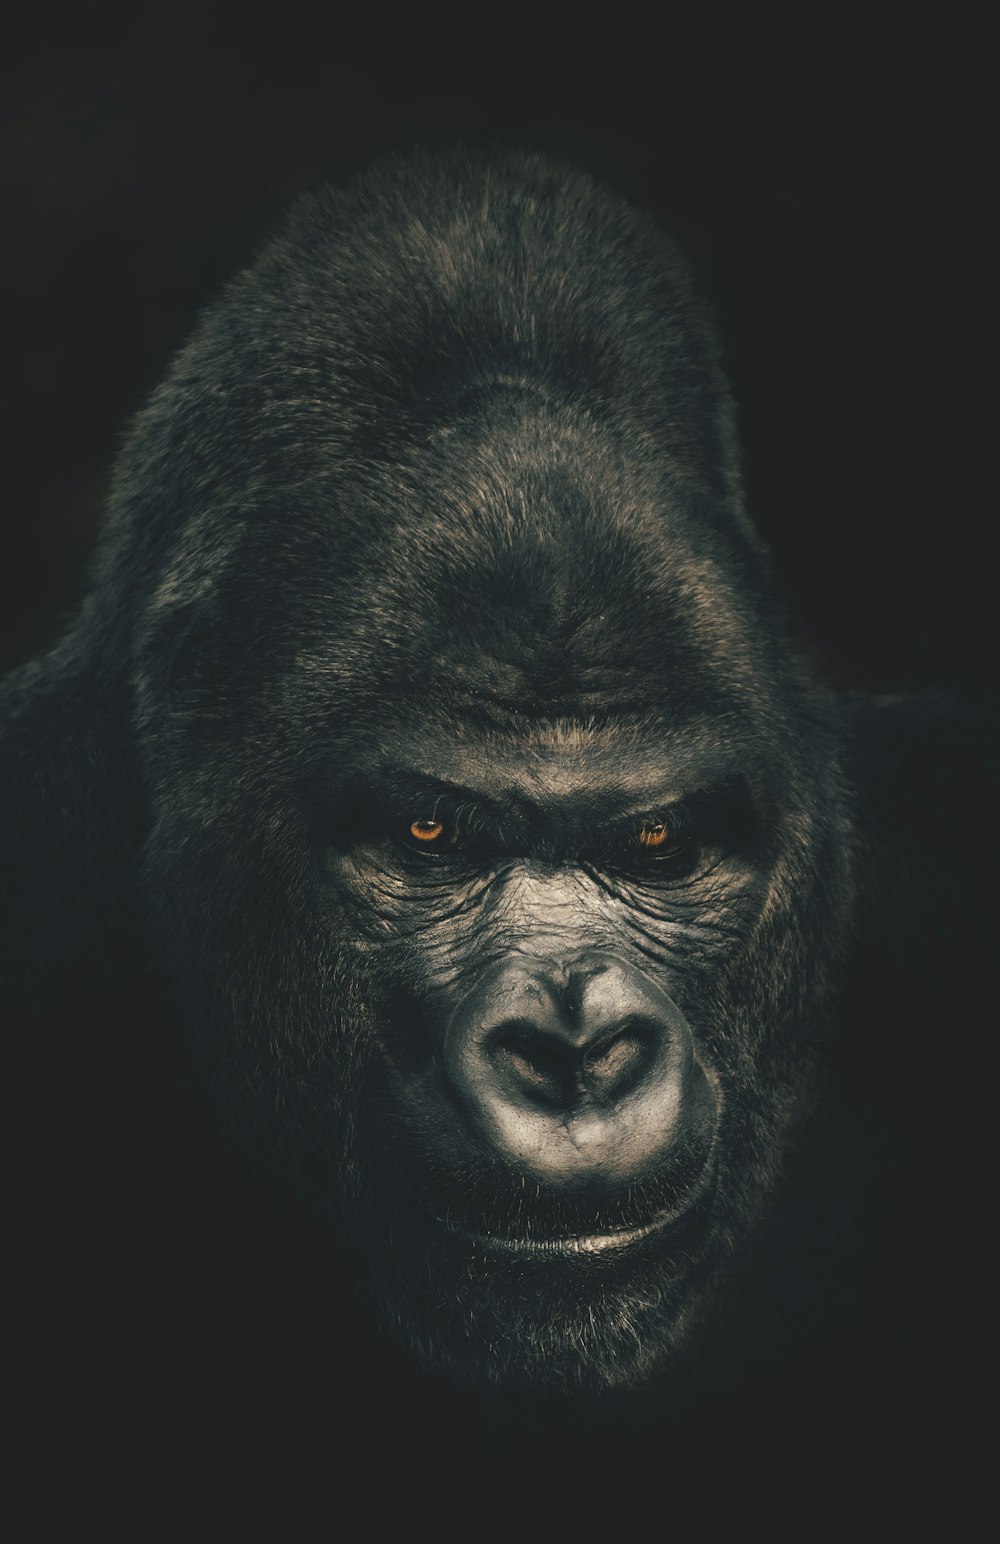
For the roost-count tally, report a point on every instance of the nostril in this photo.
(536, 1064)
(614, 1064)
(611, 1053)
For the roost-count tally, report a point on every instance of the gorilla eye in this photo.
(660, 845)
(432, 835)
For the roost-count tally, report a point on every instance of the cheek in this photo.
(364, 890)
(387, 889)
(407, 937)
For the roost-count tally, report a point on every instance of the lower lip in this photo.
(581, 1244)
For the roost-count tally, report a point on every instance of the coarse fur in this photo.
(448, 478)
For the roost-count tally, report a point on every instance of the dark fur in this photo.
(455, 457)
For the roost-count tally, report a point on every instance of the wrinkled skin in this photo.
(444, 755)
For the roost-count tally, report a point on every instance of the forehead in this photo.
(529, 562)
(526, 640)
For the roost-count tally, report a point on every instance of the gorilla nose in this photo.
(580, 1075)
(561, 1063)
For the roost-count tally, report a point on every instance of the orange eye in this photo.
(434, 833)
(426, 830)
(654, 834)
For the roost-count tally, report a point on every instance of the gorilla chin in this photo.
(549, 1312)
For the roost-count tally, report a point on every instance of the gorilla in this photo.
(431, 801)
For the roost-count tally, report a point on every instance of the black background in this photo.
(834, 182)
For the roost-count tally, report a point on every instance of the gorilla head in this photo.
(490, 843)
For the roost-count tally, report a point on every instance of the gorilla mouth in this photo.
(572, 1244)
(683, 1214)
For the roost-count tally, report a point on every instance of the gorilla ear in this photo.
(69, 835)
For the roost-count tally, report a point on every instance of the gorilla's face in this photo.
(491, 894)
(544, 1149)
